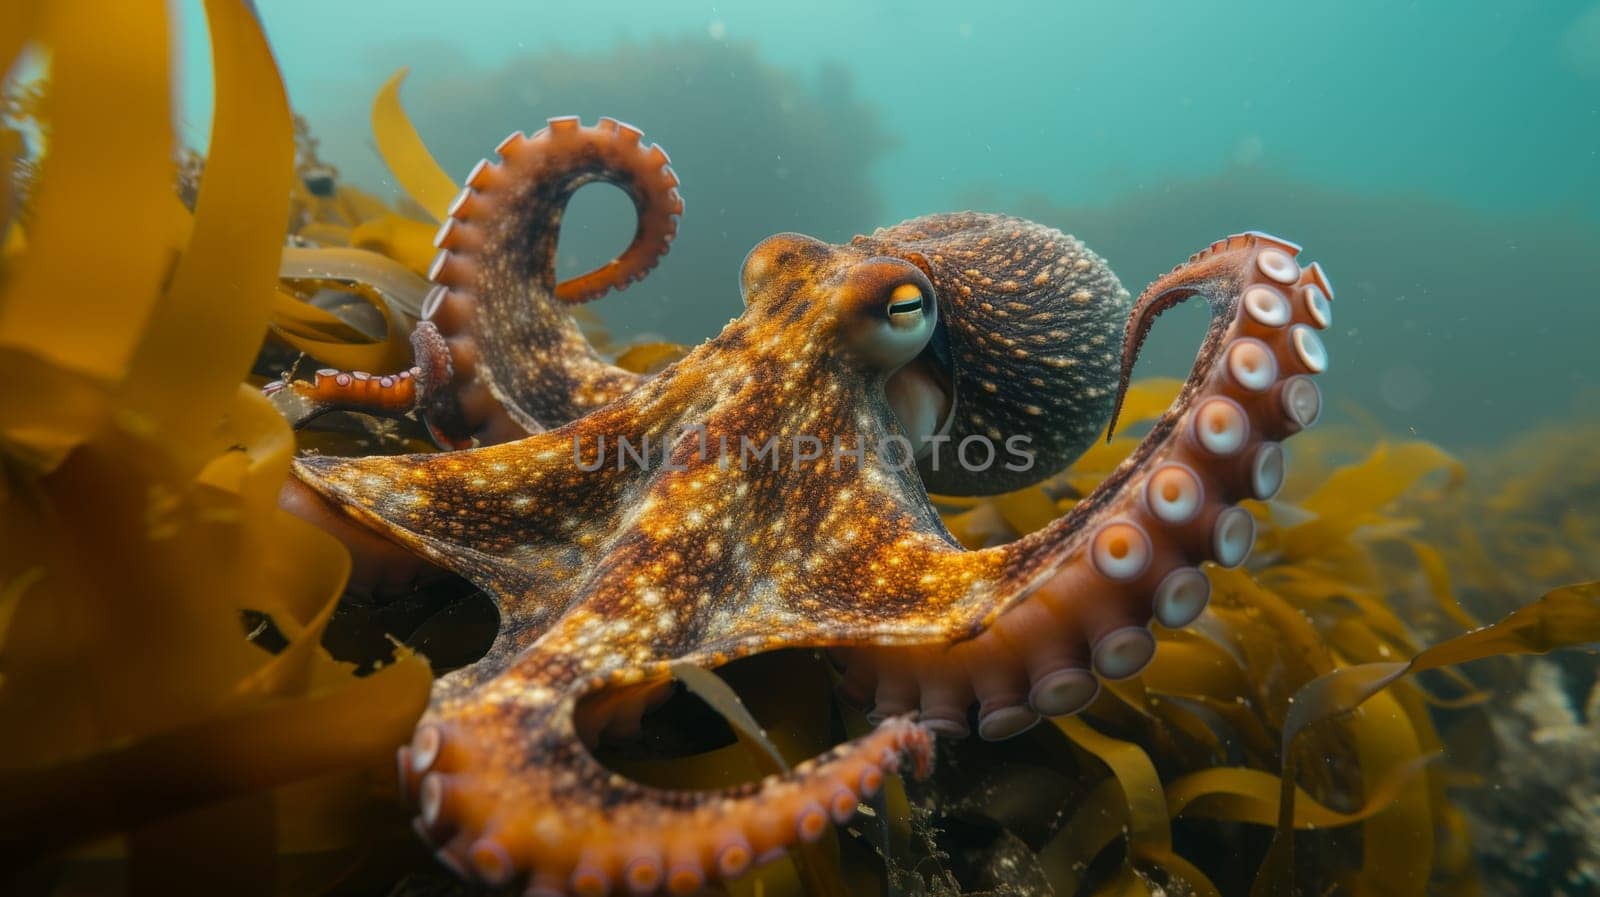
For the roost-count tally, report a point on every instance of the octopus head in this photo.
(982, 327)
(876, 313)
(1025, 355)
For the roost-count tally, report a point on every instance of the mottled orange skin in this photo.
(607, 576)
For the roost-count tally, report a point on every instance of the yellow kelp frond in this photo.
(1250, 795)
(1149, 837)
(1146, 400)
(709, 687)
(1002, 518)
(650, 358)
(86, 271)
(377, 282)
(1526, 519)
(222, 285)
(1564, 617)
(140, 488)
(405, 153)
(1355, 495)
(402, 239)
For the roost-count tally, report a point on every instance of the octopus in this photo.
(770, 490)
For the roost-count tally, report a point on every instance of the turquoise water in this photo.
(1441, 158)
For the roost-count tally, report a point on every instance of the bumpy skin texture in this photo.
(608, 572)
(1030, 333)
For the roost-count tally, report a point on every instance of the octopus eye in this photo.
(889, 312)
(906, 305)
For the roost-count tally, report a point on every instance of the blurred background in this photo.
(1442, 159)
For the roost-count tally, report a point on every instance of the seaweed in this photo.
(140, 485)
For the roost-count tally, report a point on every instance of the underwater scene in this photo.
(1022, 448)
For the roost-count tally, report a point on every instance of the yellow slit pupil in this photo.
(906, 302)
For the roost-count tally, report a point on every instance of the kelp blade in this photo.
(160, 481)
(405, 153)
(1563, 618)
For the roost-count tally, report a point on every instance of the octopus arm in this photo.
(505, 786)
(506, 320)
(520, 519)
(1047, 617)
(507, 790)
(498, 353)
(509, 793)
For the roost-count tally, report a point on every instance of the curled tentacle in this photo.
(497, 354)
(500, 309)
(1076, 597)
(507, 792)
